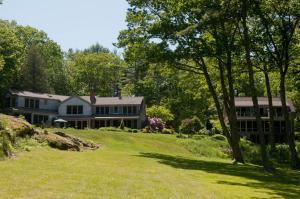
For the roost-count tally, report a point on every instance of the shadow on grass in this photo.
(282, 184)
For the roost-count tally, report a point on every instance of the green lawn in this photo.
(136, 166)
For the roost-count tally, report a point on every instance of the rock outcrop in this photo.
(58, 140)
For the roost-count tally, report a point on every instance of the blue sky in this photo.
(71, 23)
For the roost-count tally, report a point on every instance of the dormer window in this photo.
(32, 103)
(74, 109)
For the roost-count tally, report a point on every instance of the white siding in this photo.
(87, 109)
(50, 104)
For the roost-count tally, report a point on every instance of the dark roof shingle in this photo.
(262, 101)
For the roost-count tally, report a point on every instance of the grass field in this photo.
(139, 165)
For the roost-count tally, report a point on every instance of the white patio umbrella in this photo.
(60, 121)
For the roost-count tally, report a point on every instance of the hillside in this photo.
(138, 165)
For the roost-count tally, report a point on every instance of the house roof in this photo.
(99, 100)
(262, 101)
(115, 100)
(39, 95)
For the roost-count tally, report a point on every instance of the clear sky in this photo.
(71, 23)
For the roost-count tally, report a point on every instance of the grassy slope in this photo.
(136, 166)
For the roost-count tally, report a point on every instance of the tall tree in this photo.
(33, 75)
(10, 53)
(102, 71)
(51, 54)
(280, 20)
(246, 42)
(176, 33)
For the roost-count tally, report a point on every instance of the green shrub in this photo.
(134, 131)
(281, 154)
(219, 137)
(190, 125)
(204, 132)
(3, 125)
(168, 131)
(250, 151)
(6, 142)
(160, 112)
(207, 147)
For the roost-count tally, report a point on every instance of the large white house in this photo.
(79, 111)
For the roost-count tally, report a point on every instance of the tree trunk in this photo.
(264, 156)
(271, 109)
(295, 163)
(234, 143)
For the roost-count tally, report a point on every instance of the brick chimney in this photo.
(92, 96)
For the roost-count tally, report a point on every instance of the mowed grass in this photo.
(136, 166)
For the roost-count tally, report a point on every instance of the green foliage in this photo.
(250, 151)
(207, 147)
(281, 154)
(7, 139)
(219, 137)
(208, 125)
(10, 55)
(204, 131)
(101, 70)
(3, 125)
(190, 125)
(167, 131)
(160, 112)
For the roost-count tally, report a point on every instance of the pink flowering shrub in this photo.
(156, 124)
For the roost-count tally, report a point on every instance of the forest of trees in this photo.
(191, 57)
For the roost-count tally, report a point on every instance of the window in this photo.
(116, 110)
(74, 109)
(125, 110)
(107, 110)
(26, 103)
(40, 119)
(32, 103)
(263, 112)
(45, 102)
(37, 104)
(134, 110)
(254, 126)
(279, 112)
(243, 126)
(238, 111)
(129, 110)
(80, 109)
(249, 126)
(69, 109)
(243, 111)
(266, 126)
(102, 110)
